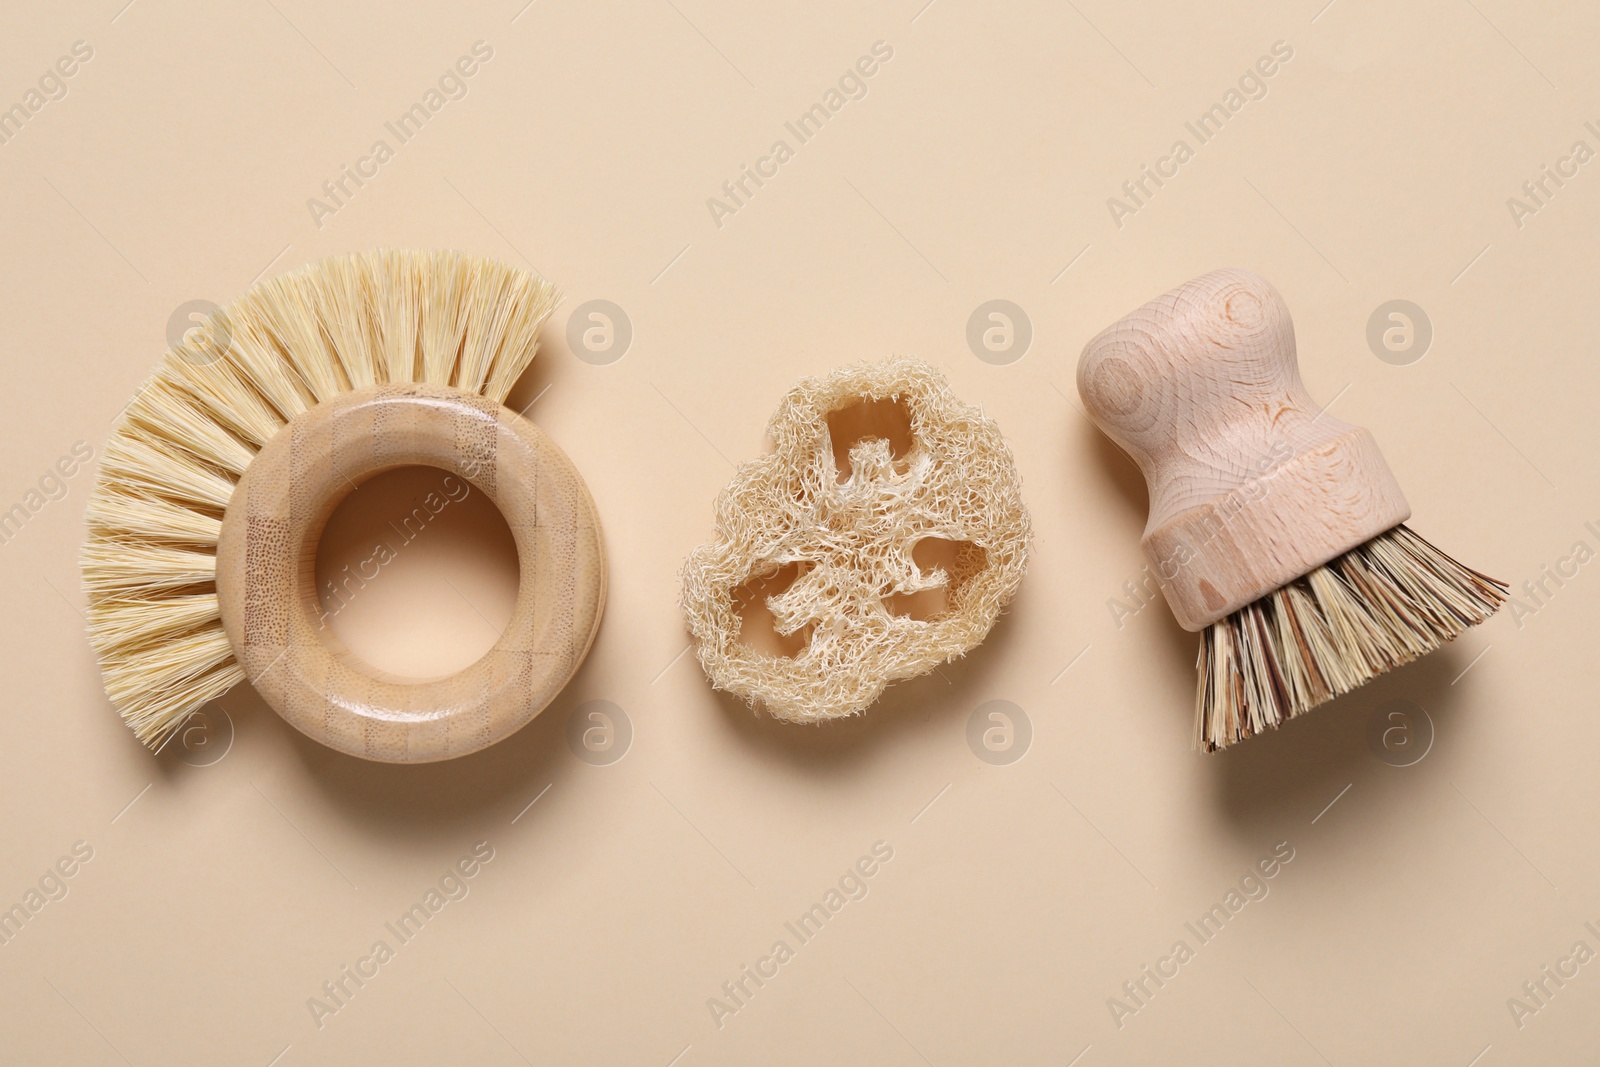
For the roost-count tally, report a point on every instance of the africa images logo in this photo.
(852, 885)
(851, 85)
(453, 84)
(1137, 192)
(454, 885)
(1140, 990)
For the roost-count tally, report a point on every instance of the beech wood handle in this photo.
(1251, 484)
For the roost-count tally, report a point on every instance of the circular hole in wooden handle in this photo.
(266, 572)
(417, 572)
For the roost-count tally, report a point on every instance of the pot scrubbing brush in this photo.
(220, 474)
(1275, 528)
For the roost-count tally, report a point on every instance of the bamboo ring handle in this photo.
(266, 572)
(1251, 483)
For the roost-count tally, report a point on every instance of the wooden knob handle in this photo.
(266, 562)
(1251, 484)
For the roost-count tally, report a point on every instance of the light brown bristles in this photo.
(180, 447)
(1382, 604)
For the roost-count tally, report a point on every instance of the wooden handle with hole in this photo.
(266, 572)
(1251, 483)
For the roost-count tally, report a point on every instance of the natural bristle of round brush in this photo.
(1382, 604)
(182, 444)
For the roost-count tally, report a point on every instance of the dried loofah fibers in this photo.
(182, 444)
(1386, 602)
(849, 541)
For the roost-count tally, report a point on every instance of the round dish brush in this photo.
(1274, 527)
(219, 475)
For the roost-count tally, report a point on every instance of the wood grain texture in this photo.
(1251, 484)
(266, 572)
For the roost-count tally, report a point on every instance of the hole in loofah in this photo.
(960, 561)
(865, 420)
(417, 573)
(756, 624)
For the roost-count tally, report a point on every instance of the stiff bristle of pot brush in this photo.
(1381, 604)
(182, 444)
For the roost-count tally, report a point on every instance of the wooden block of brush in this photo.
(266, 566)
(1274, 527)
(1251, 483)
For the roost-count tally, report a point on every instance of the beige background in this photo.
(1020, 897)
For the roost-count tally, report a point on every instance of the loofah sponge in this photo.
(860, 544)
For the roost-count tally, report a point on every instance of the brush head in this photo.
(1376, 607)
(183, 443)
(1274, 527)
